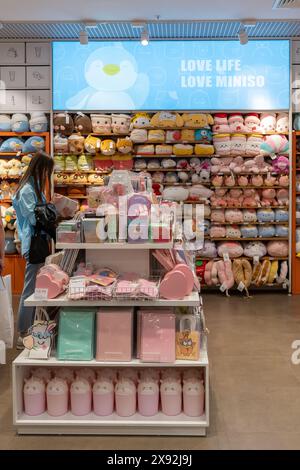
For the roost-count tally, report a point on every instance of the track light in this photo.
(83, 37)
(145, 36)
(243, 36)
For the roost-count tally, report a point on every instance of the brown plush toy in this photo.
(82, 123)
(63, 123)
(76, 144)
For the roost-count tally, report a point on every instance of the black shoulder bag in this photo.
(46, 217)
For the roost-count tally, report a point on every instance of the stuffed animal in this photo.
(217, 231)
(268, 122)
(183, 176)
(222, 144)
(154, 164)
(257, 181)
(92, 144)
(218, 199)
(198, 192)
(273, 272)
(249, 231)
(158, 177)
(171, 177)
(256, 248)
(38, 122)
(201, 136)
(251, 198)
(268, 197)
(197, 120)
(217, 181)
(229, 181)
(156, 136)
(281, 215)
(183, 149)
(243, 181)
(282, 123)
(253, 145)
(270, 181)
(124, 145)
(266, 231)
(182, 164)
(260, 166)
(157, 188)
(34, 144)
(82, 123)
(209, 250)
(236, 123)
(281, 231)
(284, 180)
(63, 123)
(274, 144)
(238, 144)
(19, 123)
(234, 198)
(265, 215)
(282, 197)
(12, 145)
(61, 144)
(76, 144)
(242, 272)
(296, 122)
(189, 135)
(168, 163)
(218, 216)
(173, 136)
(237, 165)
(167, 119)
(120, 123)
(177, 193)
(234, 216)
(204, 149)
(71, 163)
(281, 164)
(11, 218)
(233, 231)
(252, 123)
(139, 135)
(140, 120)
(85, 163)
(5, 193)
(145, 149)
(163, 149)
(249, 216)
(5, 123)
(278, 248)
(234, 249)
(96, 179)
(221, 124)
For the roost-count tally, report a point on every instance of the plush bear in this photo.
(266, 231)
(296, 122)
(218, 216)
(177, 193)
(249, 231)
(265, 215)
(82, 123)
(251, 198)
(188, 135)
(234, 198)
(63, 123)
(139, 136)
(234, 249)
(217, 231)
(168, 163)
(252, 123)
(202, 136)
(221, 124)
(167, 119)
(253, 144)
(282, 123)
(217, 181)
(275, 144)
(92, 144)
(256, 248)
(249, 215)
(218, 198)
(236, 123)
(5, 123)
(281, 231)
(120, 123)
(281, 165)
(124, 145)
(197, 120)
(38, 122)
(12, 145)
(140, 120)
(233, 216)
(222, 144)
(257, 181)
(34, 144)
(278, 248)
(281, 215)
(282, 197)
(19, 123)
(268, 122)
(156, 135)
(76, 144)
(238, 144)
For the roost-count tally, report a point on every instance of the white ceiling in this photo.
(126, 10)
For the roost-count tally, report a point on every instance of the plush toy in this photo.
(34, 144)
(281, 215)
(265, 215)
(296, 122)
(237, 165)
(195, 163)
(19, 123)
(282, 197)
(234, 198)
(261, 165)
(3, 168)
(167, 119)
(278, 248)
(222, 144)
(120, 123)
(217, 231)
(274, 144)
(238, 144)
(282, 123)
(96, 179)
(71, 163)
(11, 218)
(153, 165)
(218, 199)
(140, 120)
(156, 136)
(243, 181)
(266, 231)
(234, 216)
(233, 231)
(168, 163)
(221, 124)
(82, 123)
(284, 180)
(257, 181)
(189, 135)
(38, 122)
(236, 123)
(158, 177)
(249, 216)
(201, 136)
(61, 144)
(197, 120)
(5, 192)
(209, 250)
(9, 244)
(281, 164)
(5, 123)
(12, 145)
(249, 231)
(182, 164)
(63, 123)
(256, 248)
(198, 192)
(268, 122)
(252, 123)
(173, 136)
(229, 181)
(183, 149)
(76, 144)
(234, 249)
(268, 197)
(253, 145)
(218, 216)
(139, 135)
(281, 231)
(163, 149)
(85, 163)
(92, 144)
(183, 176)
(217, 181)
(251, 198)
(145, 149)
(171, 177)
(204, 149)
(270, 181)
(177, 193)
(157, 188)
(124, 145)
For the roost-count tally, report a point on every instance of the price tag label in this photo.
(41, 294)
(273, 157)
(226, 257)
(223, 288)
(76, 286)
(241, 286)
(255, 259)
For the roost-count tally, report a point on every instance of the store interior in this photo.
(166, 306)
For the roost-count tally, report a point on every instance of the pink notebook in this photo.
(114, 334)
(157, 336)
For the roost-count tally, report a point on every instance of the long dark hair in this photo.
(40, 170)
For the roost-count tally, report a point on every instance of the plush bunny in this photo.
(243, 181)
(229, 181)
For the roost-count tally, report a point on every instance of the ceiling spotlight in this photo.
(83, 37)
(243, 36)
(145, 36)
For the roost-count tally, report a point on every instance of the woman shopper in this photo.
(31, 191)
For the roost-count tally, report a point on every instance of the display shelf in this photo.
(271, 258)
(23, 134)
(247, 223)
(250, 187)
(245, 207)
(192, 170)
(116, 246)
(154, 155)
(190, 301)
(248, 239)
(81, 172)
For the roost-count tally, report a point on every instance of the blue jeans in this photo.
(26, 314)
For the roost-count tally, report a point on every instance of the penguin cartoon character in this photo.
(111, 74)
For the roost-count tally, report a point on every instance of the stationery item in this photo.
(114, 334)
(193, 397)
(187, 338)
(57, 397)
(157, 336)
(81, 397)
(125, 395)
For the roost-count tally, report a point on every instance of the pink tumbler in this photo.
(171, 397)
(193, 397)
(125, 393)
(148, 397)
(103, 397)
(81, 397)
(34, 396)
(57, 397)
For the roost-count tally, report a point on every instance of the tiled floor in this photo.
(255, 389)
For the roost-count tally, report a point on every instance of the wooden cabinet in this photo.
(15, 266)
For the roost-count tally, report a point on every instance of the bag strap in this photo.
(41, 314)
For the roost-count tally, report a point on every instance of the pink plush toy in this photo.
(278, 248)
(217, 231)
(218, 199)
(234, 249)
(234, 198)
(125, 394)
(233, 231)
(42, 373)
(268, 122)
(281, 165)
(257, 180)
(237, 165)
(221, 123)
(268, 197)
(252, 123)
(251, 198)
(225, 275)
(282, 124)
(284, 180)
(270, 180)
(86, 373)
(238, 144)
(262, 166)
(148, 397)
(171, 397)
(81, 397)
(234, 216)
(253, 144)
(236, 123)
(218, 216)
(207, 273)
(229, 181)
(243, 181)
(249, 216)
(282, 197)
(222, 144)
(217, 181)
